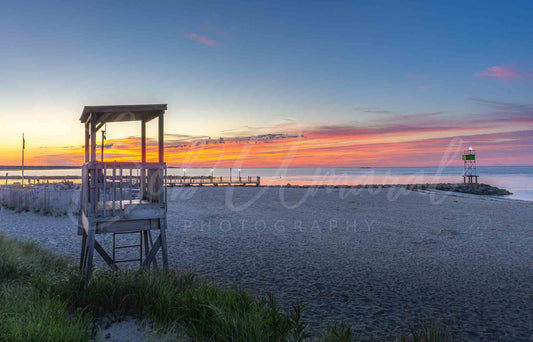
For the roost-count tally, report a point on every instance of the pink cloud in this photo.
(202, 39)
(500, 72)
(219, 32)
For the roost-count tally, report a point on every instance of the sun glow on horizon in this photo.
(347, 146)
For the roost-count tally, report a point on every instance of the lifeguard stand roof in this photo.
(103, 114)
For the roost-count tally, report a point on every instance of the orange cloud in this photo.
(202, 39)
(504, 137)
(499, 72)
(315, 149)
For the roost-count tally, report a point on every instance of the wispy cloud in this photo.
(202, 39)
(215, 30)
(375, 110)
(499, 72)
(507, 106)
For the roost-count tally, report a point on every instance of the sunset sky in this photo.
(360, 83)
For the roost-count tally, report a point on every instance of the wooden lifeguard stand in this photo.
(122, 197)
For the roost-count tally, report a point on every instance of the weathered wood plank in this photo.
(83, 249)
(113, 113)
(163, 237)
(105, 256)
(124, 226)
(151, 255)
(90, 254)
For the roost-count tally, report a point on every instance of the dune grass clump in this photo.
(203, 311)
(27, 313)
(338, 334)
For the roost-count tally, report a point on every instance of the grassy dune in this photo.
(42, 299)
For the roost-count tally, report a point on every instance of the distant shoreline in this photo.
(473, 189)
(19, 168)
(65, 167)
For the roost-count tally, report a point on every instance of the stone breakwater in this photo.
(475, 189)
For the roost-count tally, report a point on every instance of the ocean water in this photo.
(517, 179)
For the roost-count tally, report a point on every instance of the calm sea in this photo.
(517, 179)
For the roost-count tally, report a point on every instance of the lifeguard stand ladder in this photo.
(470, 172)
(122, 197)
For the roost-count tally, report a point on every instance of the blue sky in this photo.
(224, 65)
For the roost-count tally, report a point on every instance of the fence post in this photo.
(45, 209)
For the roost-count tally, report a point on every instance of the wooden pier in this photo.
(212, 181)
(172, 181)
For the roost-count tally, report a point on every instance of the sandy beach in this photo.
(379, 261)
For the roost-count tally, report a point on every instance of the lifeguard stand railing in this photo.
(122, 197)
(123, 190)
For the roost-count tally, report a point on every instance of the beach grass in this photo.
(28, 311)
(203, 311)
(42, 299)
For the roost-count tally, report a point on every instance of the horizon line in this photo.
(51, 167)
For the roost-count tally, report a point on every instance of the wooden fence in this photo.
(42, 199)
